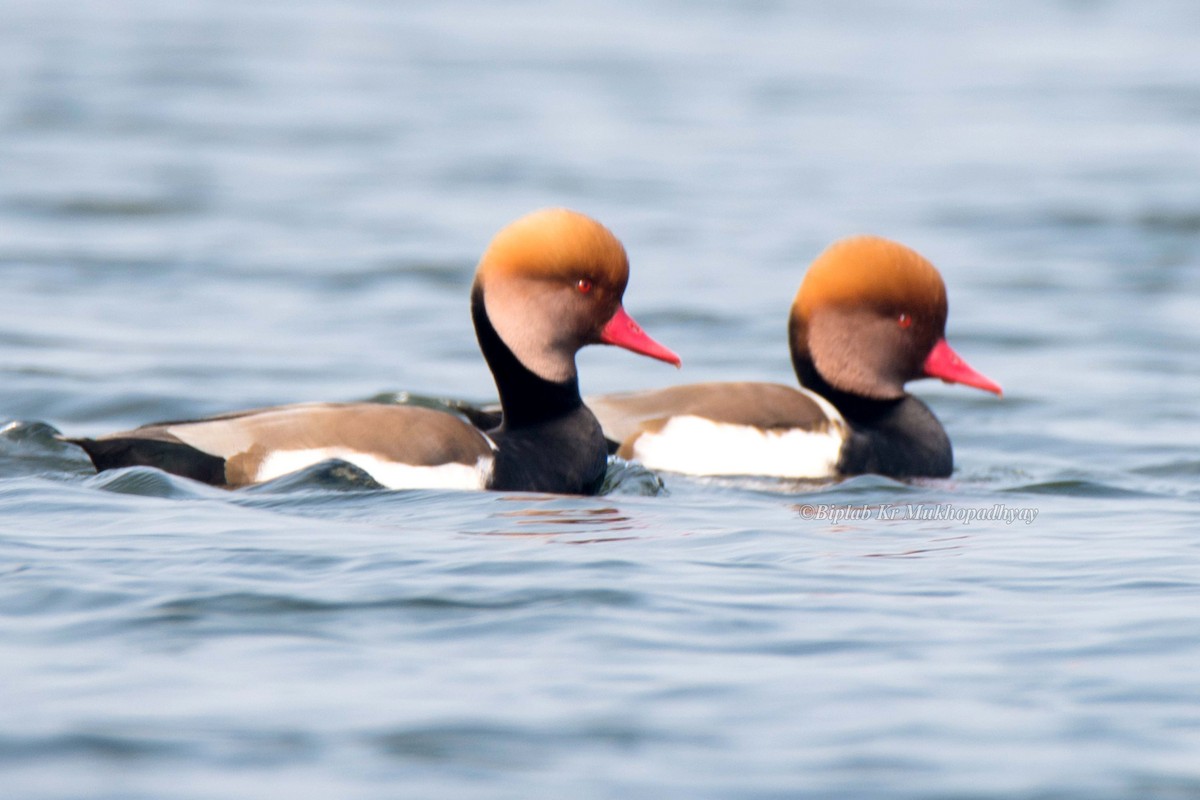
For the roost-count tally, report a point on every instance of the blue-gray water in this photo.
(207, 206)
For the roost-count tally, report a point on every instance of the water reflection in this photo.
(558, 517)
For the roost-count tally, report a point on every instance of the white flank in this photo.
(391, 474)
(697, 446)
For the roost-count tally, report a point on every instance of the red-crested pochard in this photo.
(547, 285)
(870, 316)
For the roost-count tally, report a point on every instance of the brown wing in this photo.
(770, 406)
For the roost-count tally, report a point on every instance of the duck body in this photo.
(548, 284)
(737, 428)
(801, 435)
(399, 446)
(869, 317)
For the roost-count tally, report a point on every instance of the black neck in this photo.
(854, 407)
(525, 398)
(547, 441)
(900, 438)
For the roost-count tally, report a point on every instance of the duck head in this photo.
(552, 282)
(870, 316)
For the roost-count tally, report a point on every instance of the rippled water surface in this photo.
(207, 206)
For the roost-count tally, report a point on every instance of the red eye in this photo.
(904, 321)
(584, 285)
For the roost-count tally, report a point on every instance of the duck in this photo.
(869, 317)
(547, 285)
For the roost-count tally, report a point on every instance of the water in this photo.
(209, 206)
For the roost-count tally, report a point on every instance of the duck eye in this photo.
(904, 321)
(584, 285)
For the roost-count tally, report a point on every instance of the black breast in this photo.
(564, 455)
(898, 438)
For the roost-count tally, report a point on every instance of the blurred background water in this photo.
(210, 205)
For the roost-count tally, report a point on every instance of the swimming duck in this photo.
(547, 285)
(869, 317)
